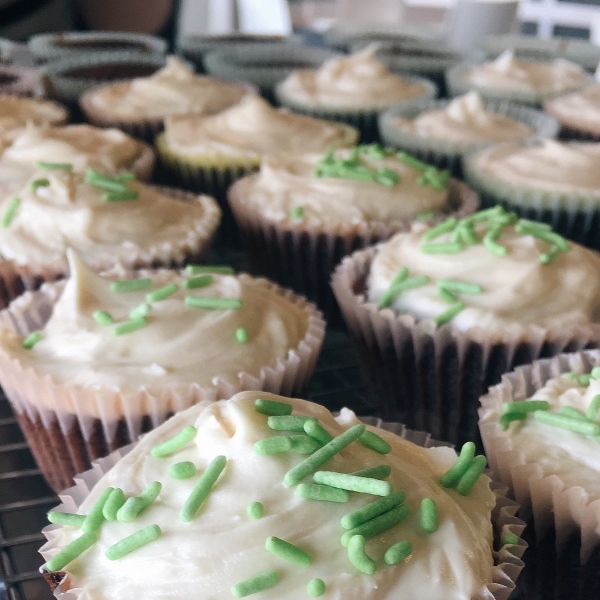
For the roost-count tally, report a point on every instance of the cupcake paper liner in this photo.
(571, 129)
(547, 499)
(18, 81)
(363, 119)
(457, 86)
(448, 154)
(143, 165)
(507, 560)
(574, 215)
(431, 378)
(304, 258)
(64, 443)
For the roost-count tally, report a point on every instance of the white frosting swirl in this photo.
(16, 112)
(356, 81)
(223, 546)
(253, 128)
(580, 108)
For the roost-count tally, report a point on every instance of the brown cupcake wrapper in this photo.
(304, 258)
(65, 443)
(431, 378)
(570, 128)
(546, 498)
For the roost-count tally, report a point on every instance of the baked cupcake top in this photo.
(547, 165)
(346, 187)
(510, 73)
(581, 108)
(490, 271)
(216, 547)
(172, 90)
(465, 119)
(16, 112)
(356, 81)
(253, 128)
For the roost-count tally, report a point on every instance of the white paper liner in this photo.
(71, 440)
(546, 498)
(508, 563)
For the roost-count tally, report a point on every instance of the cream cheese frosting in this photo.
(465, 119)
(547, 165)
(516, 290)
(356, 81)
(222, 546)
(173, 90)
(510, 73)
(580, 108)
(16, 112)
(287, 183)
(253, 128)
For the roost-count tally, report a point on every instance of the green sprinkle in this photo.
(376, 472)
(397, 288)
(104, 182)
(584, 380)
(273, 445)
(446, 296)
(52, 166)
(358, 557)
(389, 295)
(595, 373)
(288, 552)
(422, 180)
(202, 489)
(449, 314)
(316, 588)
(38, 183)
(569, 411)
(9, 214)
(310, 464)
(592, 411)
(241, 335)
(317, 432)
(547, 257)
(524, 406)
(255, 510)
(547, 236)
(413, 162)
(490, 243)
(459, 468)
(103, 318)
(425, 216)
(133, 542)
(534, 224)
(508, 418)
(467, 235)
(429, 515)
(256, 584)
(121, 196)
(113, 504)
(272, 407)
(163, 293)
(510, 539)
(31, 340)
(213, 303)
(374, 442)
(197, 282)
(143, 310)
(137, 504)
(186, 435)
(130, 326)
(373, 509)
(131, 285)
(125, 176)
(387, 177)
(182, 470)
(448, 248)
(460, 287)
(324, 493)
(296, 213)
(63, 518)
(379, 524)
(444, 227)
(352, 483)
(570, 375)
(471, 476)
(288, 423)
(216, 269)
(303, 444)
(398, 552)
(71, 552)
(95, 518)
(586, 428)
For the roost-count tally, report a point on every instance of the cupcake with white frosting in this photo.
(514, 79)
(91, 363)
(578, 113)
(353, 89)
(442, 132)
(16, 112)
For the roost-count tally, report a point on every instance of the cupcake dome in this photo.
(578, 113)
(16, 112)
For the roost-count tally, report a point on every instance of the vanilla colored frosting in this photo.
(466, 120)
(253, 128)
(222, 546)
(355, 81)
(547, 165)
(579, 108)
(173, 90)
(518, 290)
(16, 112)
(510, 73)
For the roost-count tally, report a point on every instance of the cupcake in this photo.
(91, 363)
(283, 541)
(16, 112)
(438, 314)
(578, 113)
(550, 181)
(353, 89)
(540, 428)
(301, 214)
(141, 104)
(443, 131)
(518, 80)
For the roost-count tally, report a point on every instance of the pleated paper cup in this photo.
(65, 442)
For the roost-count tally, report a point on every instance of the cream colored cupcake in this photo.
(16, 112)
(578, 113)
